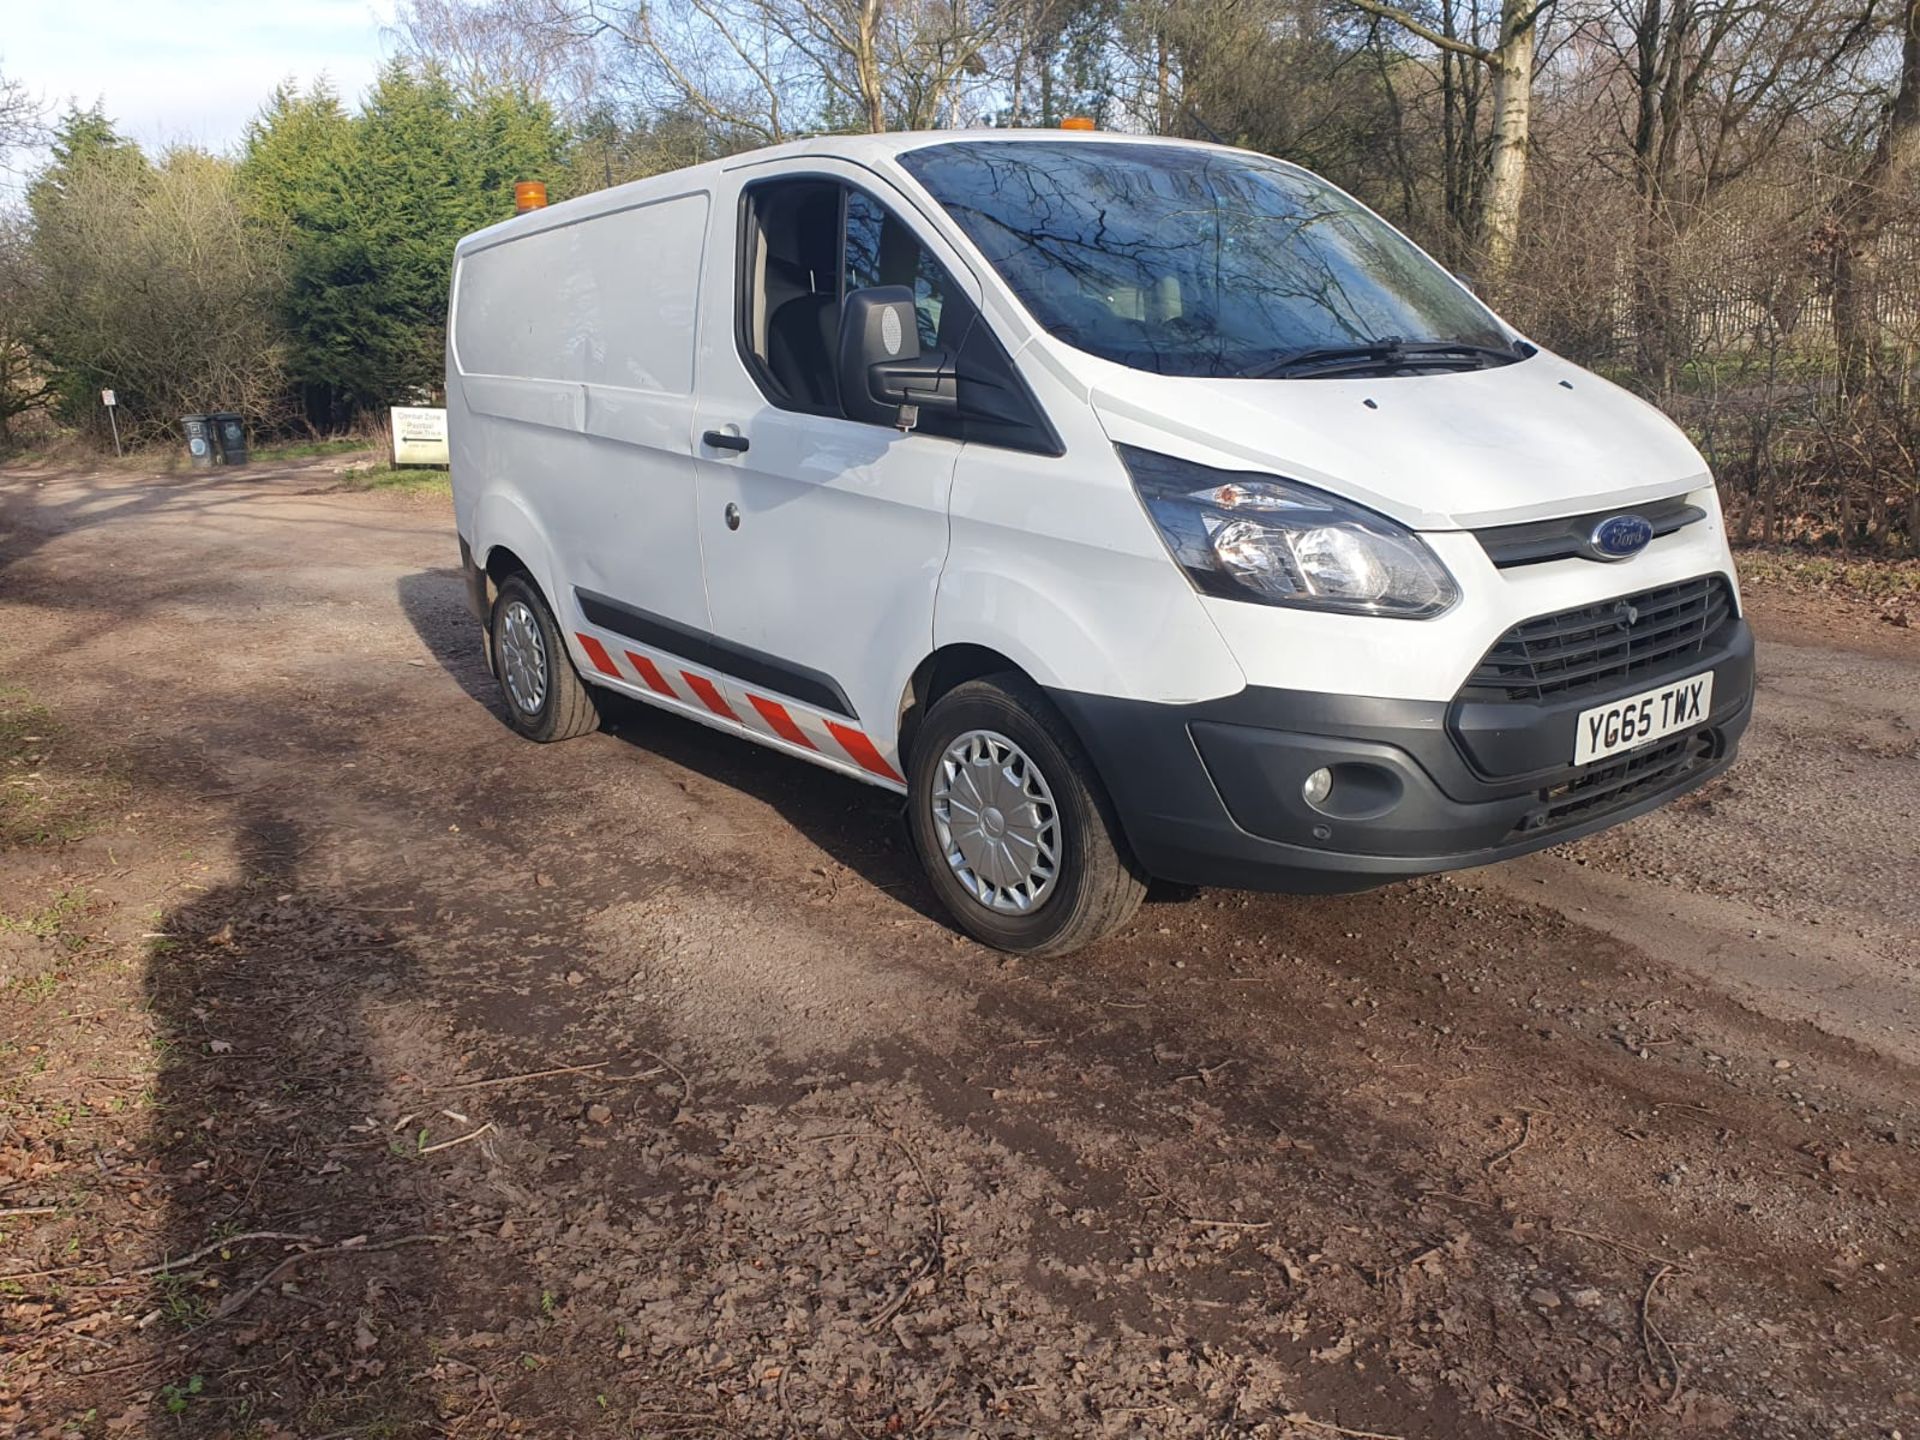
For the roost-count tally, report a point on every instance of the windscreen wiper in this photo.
(1390, 352)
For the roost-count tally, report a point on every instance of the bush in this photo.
(152, 281)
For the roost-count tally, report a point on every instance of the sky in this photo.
(170, 71)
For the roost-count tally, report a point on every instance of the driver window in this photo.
(880, 250)
(811, 241)
(791, 293)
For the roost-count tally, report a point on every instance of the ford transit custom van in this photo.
(1134, 508)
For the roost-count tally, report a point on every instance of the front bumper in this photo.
(1210, 793)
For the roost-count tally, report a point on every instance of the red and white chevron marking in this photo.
(787, 724)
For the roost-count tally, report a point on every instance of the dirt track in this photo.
(1624, 1139)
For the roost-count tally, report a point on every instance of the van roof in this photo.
(897, 142)
(861, 149)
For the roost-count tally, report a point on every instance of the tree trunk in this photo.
(867, 66)
(1655, 301)
(1860, 216)
(1460, 79)
(1856, 284)
(1015, 110)
(1511, 63)
(1163, 86)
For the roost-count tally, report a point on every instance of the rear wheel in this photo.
(1013, 825)
(546, 700)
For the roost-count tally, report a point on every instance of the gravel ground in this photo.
(367, 1071)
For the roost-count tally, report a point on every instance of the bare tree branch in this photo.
(1426, 32)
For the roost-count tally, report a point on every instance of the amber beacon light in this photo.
(1078, 122)
(529, 195)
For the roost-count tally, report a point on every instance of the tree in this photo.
(1875, 401)
(88, 157)
(1867, 203)
(772, 69)
(295, 157)
(1287, 77)
(1703, 93)
(607, 146)
(23, 386)
(484, 46)
(150, 279)
(1509, 63)
(294, 174)
(369, 208)
(84, 142)
(19, 116)
(1057, 57)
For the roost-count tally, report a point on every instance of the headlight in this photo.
(1257, 537)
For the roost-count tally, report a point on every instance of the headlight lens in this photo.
(1257, 537)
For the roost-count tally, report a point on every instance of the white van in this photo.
(1136, 508)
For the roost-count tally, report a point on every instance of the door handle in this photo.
(724, 440)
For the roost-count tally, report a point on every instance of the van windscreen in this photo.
(1186, 260)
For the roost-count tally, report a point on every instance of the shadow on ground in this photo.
(315, 1303)
(861, 826)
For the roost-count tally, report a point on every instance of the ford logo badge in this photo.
(1620, 537)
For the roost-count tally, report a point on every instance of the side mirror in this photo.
(885, 378)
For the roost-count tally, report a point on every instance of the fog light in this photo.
(1319, 785)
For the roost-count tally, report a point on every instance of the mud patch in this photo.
(786, 983)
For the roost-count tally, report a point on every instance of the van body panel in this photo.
(584, 377)
(506, 521)
(558, 300)
(613, 515)
(834, 562)
(554, 404)
(1054, 564)
(1435, 452)
(660, 673)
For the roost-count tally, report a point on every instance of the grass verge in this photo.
(411, 479)
(309, 449)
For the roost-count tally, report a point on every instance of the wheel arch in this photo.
(501, 561)
(508, 540)
(947, 668)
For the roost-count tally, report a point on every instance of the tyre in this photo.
(1012, 823)
(545, 698)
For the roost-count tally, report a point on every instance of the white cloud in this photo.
(168, 71)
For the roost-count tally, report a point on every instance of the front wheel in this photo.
(1012, 823)
(546, 700)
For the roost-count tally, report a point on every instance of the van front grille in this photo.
(1570, 536)
(1616, 784)
(1603, 646)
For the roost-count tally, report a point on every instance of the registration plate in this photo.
(1623, 725)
